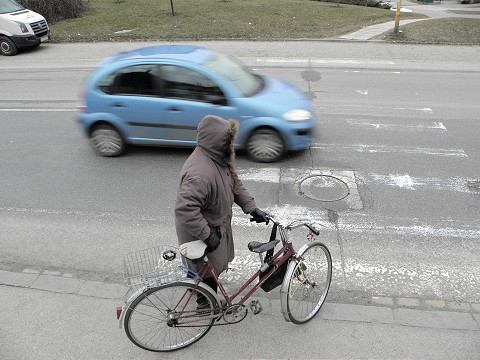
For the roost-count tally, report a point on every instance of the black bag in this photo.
(275, 279)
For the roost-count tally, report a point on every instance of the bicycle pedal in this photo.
(256, 307)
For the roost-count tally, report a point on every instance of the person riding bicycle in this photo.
(209, 185)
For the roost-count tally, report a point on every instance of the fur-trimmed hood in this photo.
(216, 137)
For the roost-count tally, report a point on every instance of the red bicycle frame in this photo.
(282, 256)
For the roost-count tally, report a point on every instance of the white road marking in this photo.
(275, 175)
(366, 223)
(457, 184)
(385, 72)
(362, 108)
(270, 175)
(403, 181)
(362, 92)
(39, 110)
(373, 276)
(367, 148)
(435, 125)
(322, 61)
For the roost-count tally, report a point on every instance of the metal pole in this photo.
(397, 17)
(173, 10)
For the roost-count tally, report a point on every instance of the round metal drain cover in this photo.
(324, 188)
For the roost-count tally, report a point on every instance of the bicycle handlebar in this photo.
(309, 226)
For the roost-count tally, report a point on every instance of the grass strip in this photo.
(439, 31)
(113, 20)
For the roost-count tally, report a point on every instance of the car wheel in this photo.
(265, 145)
(107, 141)
(7, 46)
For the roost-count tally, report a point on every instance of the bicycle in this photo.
(162, 312)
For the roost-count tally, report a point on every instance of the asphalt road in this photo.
(398, 124)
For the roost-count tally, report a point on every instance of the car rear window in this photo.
(133, 80)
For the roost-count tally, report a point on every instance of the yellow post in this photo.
(397, 17)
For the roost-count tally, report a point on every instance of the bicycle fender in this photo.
(141, 290)
(284, 288)
(127, 304)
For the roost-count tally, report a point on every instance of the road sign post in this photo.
(397, 17)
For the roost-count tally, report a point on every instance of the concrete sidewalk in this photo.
(43, 325)
(433, 11)
(55, 316)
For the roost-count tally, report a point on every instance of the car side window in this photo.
(182, 83)
(133, 80)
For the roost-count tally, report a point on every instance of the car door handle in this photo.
(174, 109)
(118, 105)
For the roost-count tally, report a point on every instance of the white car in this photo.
(20, 28)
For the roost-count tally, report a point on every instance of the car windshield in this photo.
(246, 82)
(9, 6)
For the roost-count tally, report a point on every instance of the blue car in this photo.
(157, 96)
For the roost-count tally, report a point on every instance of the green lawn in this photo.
(440, 31)
(216, 19)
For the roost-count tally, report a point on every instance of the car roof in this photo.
(187, 53)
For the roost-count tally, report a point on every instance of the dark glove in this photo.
(214, 239)
(259, 216)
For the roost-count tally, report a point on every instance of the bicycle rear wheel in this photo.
(306, 283)
(168, 317)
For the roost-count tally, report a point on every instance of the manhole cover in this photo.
(311, 75)
(324, 188)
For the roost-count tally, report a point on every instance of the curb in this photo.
(379, 309)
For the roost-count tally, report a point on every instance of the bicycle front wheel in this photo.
(306, 283)
(169, 317)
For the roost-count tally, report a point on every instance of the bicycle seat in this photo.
(259, 247)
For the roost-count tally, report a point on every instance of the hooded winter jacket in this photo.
(208, 190)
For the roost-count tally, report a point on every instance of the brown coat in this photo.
(206, 192)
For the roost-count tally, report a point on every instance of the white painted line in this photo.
(367, 148)
(366, 223)
(286, 214)
(38, 110)
(456, 184)
(375, 276)
(383, 72)
(435, 125)
(322, 61)
(362, 108)
(362, 92)
(403, 181)
(269, 175)
(427, 110)
(274, 175)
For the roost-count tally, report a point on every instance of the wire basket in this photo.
(153, 267)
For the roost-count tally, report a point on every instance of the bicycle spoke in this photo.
(308, 284)
(152, 327)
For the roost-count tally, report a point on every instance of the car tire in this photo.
(265, 145)
(7, 46)
(107, 141)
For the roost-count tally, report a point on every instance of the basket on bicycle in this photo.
(153, 267)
